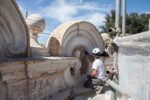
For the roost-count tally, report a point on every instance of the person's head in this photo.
(96, 53)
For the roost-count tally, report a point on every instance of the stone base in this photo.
(40, 51)
(36, 78)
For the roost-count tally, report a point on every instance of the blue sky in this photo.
(56, 12)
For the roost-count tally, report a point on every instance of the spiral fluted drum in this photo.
(36, 23)
(73, 38)
(13, 30)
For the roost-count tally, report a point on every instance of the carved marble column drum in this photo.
(13, 30)
(36, 25)
(73, 38)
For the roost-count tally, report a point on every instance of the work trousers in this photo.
(94, 83)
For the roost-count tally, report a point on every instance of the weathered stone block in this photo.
(18, 90)
(3, 91)
(49, 66)
(42, 88)
(36, 78)
(12, 72)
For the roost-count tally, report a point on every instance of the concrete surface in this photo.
(133, 63)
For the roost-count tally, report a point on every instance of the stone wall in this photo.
(36, 78)
(133, 65)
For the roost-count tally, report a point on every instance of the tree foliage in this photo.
(135, 23)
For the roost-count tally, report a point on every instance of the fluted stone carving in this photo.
(106, 38)
(13, 31)
(73, 38)
(68, 38)
(36, 25)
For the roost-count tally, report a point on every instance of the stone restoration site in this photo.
(59, 70)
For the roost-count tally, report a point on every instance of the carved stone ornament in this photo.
(73, 39)
(13, 30)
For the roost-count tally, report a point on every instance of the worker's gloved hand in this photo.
(86, 53)
(89, 77)
(104, 54)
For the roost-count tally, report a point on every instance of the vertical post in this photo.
(26, 14)
(124, 18)
(28, 40)
(149, 24)
(117, 25)
(117, 18)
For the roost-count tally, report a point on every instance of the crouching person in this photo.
(97, 78)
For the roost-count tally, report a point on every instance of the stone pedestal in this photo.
(36, 78)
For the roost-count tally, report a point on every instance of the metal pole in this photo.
(28, 40)
(117, 18)
(26, 14)
(117, 25)
(116, 87)
(149, 24)
(124, 18)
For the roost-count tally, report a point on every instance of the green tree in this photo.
(134, 23)
(109, 21)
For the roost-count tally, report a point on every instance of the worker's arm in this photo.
(89, 56)
(94, 73)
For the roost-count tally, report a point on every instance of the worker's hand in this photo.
(86, 53)
(89, 77)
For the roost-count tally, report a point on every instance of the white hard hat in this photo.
(96, 51)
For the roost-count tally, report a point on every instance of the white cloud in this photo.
(93, 6)
(40, 0)
(80, 1)
(147, 12)
(94, 18)
(97, 19)
(61, 11)
(46, 31)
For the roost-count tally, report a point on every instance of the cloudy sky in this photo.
(56, 12)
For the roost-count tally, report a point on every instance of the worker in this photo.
(97, 78)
